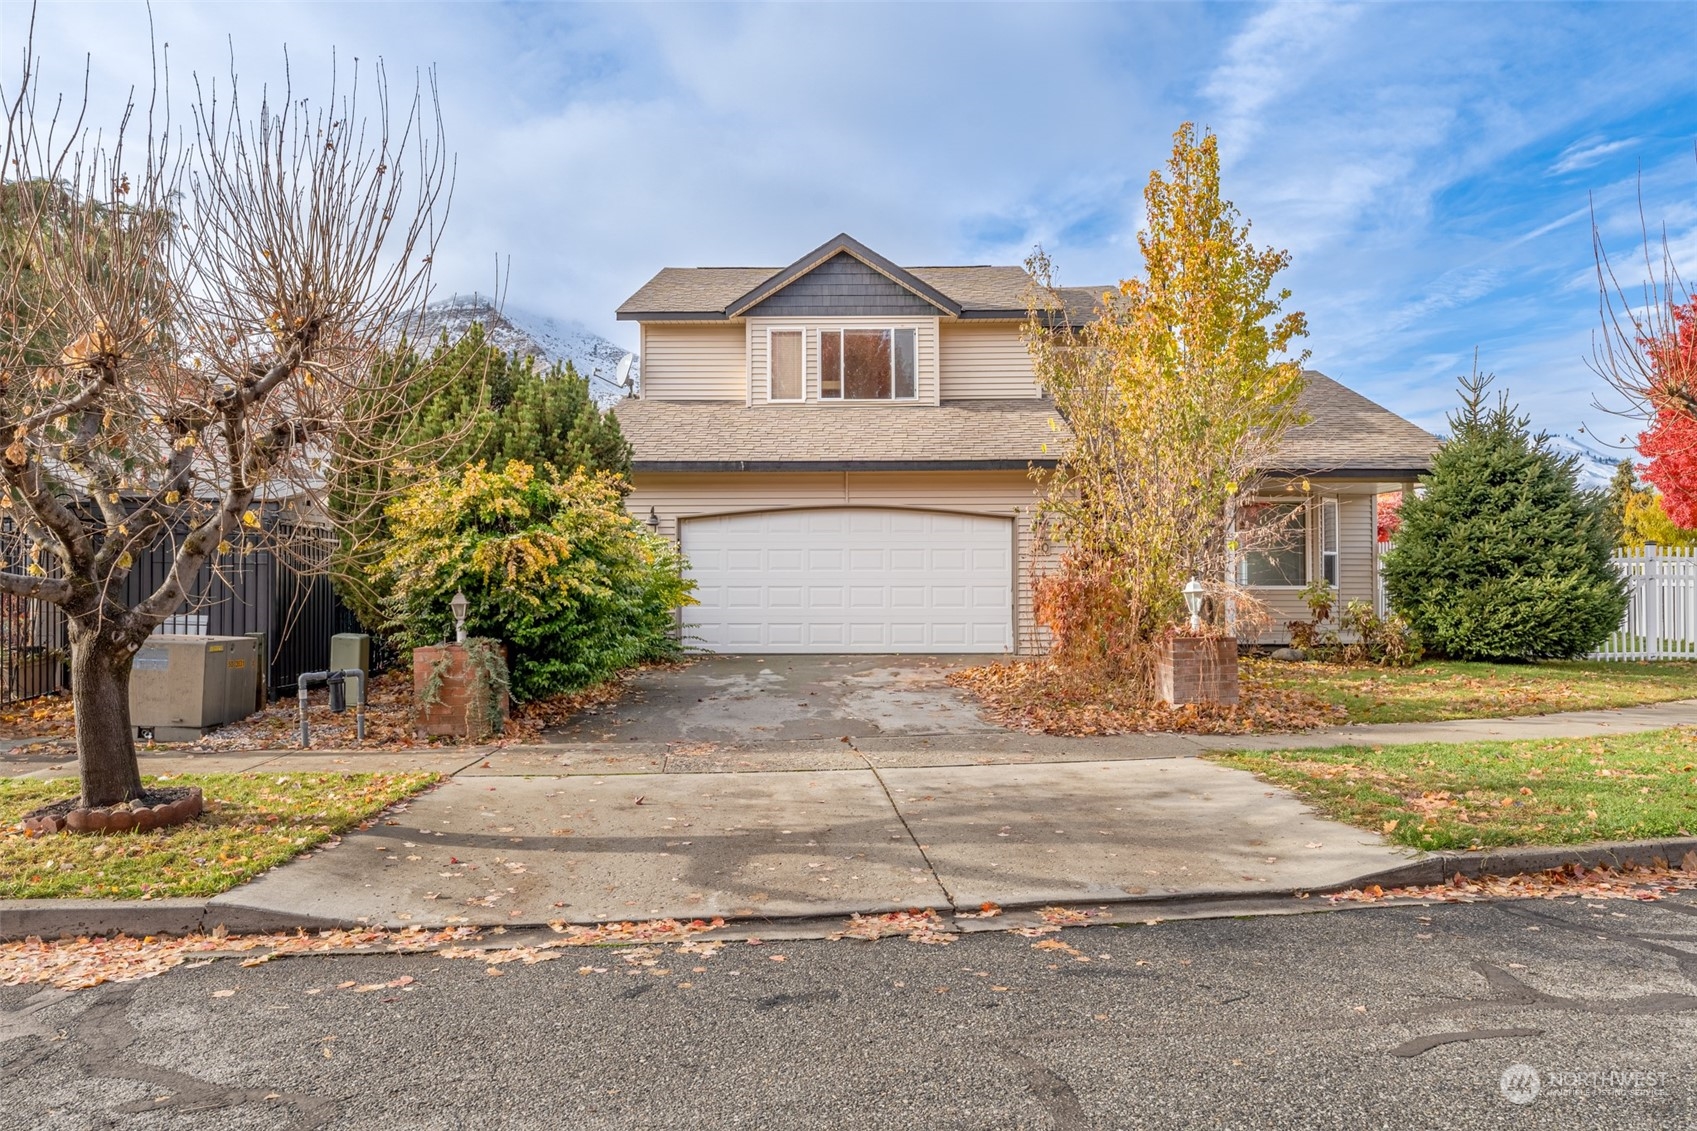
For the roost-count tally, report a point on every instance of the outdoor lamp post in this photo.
(1193, 591)
(459, 605)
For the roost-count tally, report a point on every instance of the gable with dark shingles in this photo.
(843, 286)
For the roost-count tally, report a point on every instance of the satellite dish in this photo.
(621, 376)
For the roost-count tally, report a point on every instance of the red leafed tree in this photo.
(1670, 443)
(1389, 515)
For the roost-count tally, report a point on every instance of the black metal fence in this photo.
(287, 597)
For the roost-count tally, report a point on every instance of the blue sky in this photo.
(1431, 168)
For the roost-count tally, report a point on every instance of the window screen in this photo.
(1280, 538)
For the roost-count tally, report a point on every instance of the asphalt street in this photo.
(1393, 1017)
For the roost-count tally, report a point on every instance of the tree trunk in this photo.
(100, 691)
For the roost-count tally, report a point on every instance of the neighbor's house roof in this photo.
(712, 294)
(1348, 436)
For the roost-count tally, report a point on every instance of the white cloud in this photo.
(1584, 154)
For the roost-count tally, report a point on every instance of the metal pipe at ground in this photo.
(304, 684)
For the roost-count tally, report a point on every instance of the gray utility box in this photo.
(350, 650)
(183, 686)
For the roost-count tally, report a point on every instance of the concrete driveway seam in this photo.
(924, 854)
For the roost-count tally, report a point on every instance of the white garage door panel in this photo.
(850, 580)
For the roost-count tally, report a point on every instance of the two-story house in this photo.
(844, 449)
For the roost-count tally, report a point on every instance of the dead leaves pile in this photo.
(1646, 884)
(1040, 697)
(77, 964)
(920, 926)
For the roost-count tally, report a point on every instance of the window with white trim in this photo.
(786, 351)
(1329, 541)
(868, 365)
(1278, 540)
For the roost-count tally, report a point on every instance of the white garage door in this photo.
(850, 580)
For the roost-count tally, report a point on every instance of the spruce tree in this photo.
(1502, 556)
(474, 404)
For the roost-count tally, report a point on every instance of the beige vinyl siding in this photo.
(985, 361)
(693, 361)
(1357, 564)
(757, 343)
(1010, 494)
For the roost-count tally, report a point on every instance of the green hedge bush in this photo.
(551, 564)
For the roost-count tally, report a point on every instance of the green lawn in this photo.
(1445, 689)
(253, 822)
(1434, 795)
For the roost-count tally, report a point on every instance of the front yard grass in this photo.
(253, 822)
(1446, 689)
(1435, 796)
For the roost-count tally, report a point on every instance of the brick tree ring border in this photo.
(160, 808)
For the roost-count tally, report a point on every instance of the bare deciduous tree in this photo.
(188, 317)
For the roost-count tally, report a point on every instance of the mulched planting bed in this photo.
(50, 721)
(157, 808)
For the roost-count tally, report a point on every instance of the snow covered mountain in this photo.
(1596, 467)
(545, 338)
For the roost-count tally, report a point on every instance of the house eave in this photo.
(1362, 474)
(680, 466)
(671, 316)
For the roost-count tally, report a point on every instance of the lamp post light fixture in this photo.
(1193, 593)
(459, 605)
(653, 520)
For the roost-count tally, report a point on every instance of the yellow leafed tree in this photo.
(1177, 388)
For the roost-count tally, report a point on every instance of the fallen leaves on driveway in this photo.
(1631, 882)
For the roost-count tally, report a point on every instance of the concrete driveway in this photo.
(754, 700)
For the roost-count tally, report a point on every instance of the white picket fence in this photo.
(1661, 617)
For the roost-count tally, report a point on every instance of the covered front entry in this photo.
(850, 579)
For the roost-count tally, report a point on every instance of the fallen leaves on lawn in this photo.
(1603, 882)
(1038, 695)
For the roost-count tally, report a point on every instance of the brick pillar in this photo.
(449, 715)
(1197, 669)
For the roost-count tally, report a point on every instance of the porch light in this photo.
(1193, 592)
(459, 605)
(653, 520)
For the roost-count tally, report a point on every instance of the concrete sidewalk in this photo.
(498, 850)
(788, 828)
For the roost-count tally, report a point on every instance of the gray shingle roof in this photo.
(708, 292)
(1348, 435)
(726, 435)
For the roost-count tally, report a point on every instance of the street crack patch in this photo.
(1426, 1044)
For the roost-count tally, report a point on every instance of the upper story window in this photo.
(786, 349)
(868, 365)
